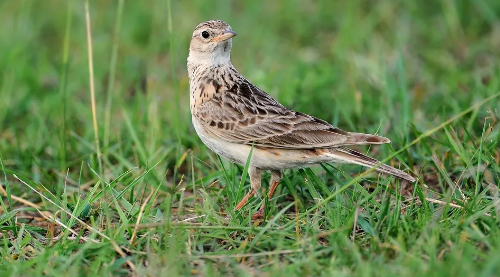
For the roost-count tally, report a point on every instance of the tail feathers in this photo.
(351, 156)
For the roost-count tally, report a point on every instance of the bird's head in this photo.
(211, 43)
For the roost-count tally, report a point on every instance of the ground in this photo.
(102, 173)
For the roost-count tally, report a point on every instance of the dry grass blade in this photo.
(91, 81)
(443, 203)
(141, 212)
(18, 199)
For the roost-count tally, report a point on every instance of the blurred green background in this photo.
(398, 68)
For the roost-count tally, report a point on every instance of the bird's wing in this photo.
(245, 114)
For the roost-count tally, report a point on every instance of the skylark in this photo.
(232, 116)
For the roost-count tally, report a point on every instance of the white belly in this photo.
(263, 158)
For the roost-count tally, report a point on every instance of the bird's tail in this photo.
(351, 156)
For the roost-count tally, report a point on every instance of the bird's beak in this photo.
(227, 35)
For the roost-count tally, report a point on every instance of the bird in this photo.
(234, 118)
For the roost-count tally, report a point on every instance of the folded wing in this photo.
(246, 114)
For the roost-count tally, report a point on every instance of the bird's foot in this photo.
(260, 213)
(245, 199)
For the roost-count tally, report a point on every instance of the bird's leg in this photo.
(255, 179)
(276, 177)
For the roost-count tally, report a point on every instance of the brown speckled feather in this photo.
(235, 110)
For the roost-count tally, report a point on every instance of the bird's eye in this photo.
(205, 34)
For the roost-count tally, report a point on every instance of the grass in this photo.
(137, 193)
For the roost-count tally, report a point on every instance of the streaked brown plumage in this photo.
(231, 115)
